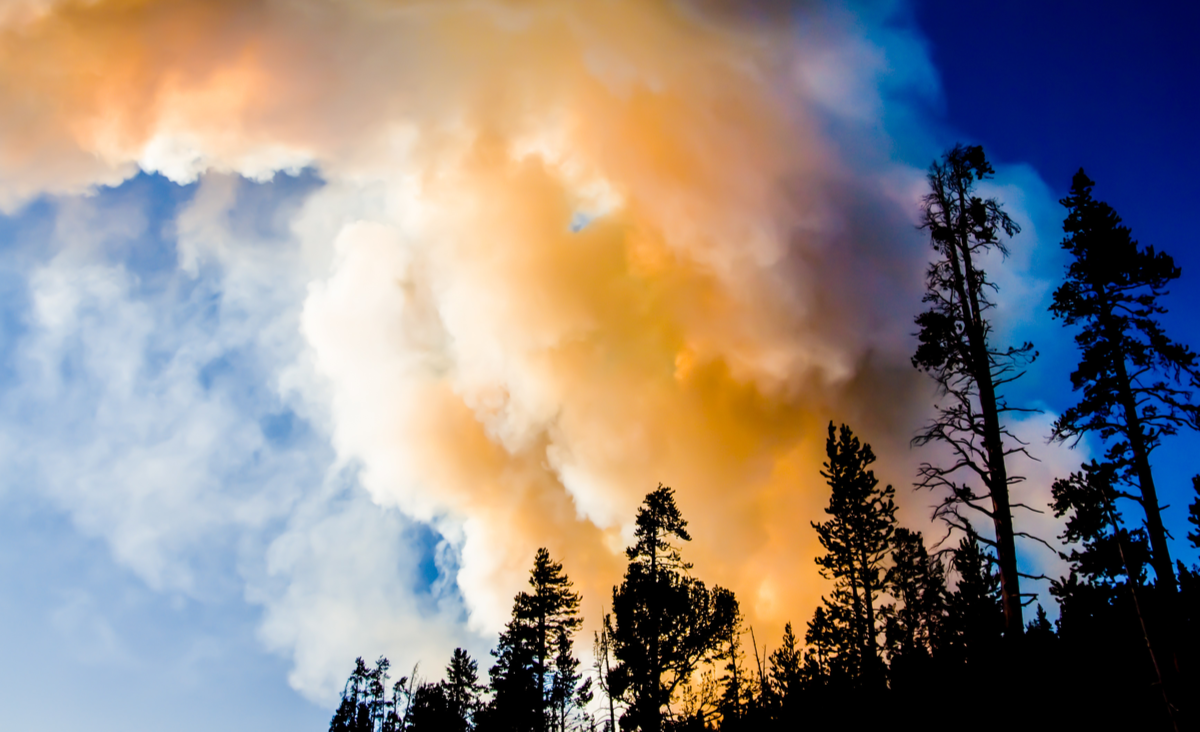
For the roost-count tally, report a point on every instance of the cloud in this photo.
(560, 252)
(344, 580)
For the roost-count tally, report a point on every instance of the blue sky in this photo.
(1109, 87)
(152, 334)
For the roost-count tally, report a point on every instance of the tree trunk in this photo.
(541, 669)
(871, 656)
(1163, 685)
(1160, 556)
(654, 683)
(1006, 550)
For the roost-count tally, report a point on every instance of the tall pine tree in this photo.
(665, 623)
(956, 349)
(534, 650)
(857, 537)
(462, 689)
(1135, 381)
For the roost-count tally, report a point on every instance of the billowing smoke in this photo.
(564, 251)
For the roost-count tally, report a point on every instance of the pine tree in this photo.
(462, 689)
(353, 713)
(523, 677)
(1135, 381)
(665, 623)
(826, 656)
(1104, 596)
(956, 349)
(915, 623)
(857, 538)
(735, 685)
(785, 662)
(1040, 631)
(515, 705)
(602, 648)
(974, 611)
(432, 711)
(569, 690)
(786, 669)
(365, 705)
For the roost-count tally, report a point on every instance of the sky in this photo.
(317, 319)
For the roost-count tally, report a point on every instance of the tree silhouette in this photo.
(1104, 592)
(602, 652)
(1194, 513)
(786, 674)
(515, 705)
(664, 622)
(736, 693)
(462, 690)
(974, 611)
(825, 654)
(354, 713)
(432, 711)
(569, 690)
(914, 625)
(856, 537)
(534, 650)
(365, 705)
(955, 348)
(1135, 381)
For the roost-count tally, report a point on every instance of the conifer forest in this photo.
(914, 626)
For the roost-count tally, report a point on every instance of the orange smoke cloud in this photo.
(578, 249)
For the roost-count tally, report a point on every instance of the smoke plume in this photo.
(564, 251)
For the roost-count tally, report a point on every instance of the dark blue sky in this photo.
(1110, 87)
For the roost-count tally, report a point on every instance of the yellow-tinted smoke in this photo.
(499, 368)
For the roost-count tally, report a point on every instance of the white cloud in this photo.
(343, 581)
(142, 402)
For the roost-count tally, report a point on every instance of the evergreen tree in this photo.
(786, 671)
(665, 623)
(365, 705)
(915, 623)
(602, 654)
(1106, 555)
(353, 713)
(955, 348)
(974, 610)
(432, 710)
(856, 538)
(380, 705)
(462, 690)
(1104, 595)
(569, 690)
(825, 655)
(736, 692)
(785, 662)
(1040, 627)
(527, 659)
(1135, 381)
(515, 705)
